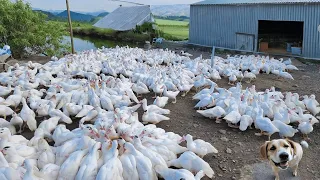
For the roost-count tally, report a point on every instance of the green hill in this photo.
(49, 14)
(75, 16)
(103, 14)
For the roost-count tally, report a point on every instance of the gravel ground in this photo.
(238, 156)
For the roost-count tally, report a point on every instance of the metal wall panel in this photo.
(218, 24)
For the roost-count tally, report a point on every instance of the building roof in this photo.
(230, 2)
(124, 18)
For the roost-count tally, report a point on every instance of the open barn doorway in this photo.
(280, 37)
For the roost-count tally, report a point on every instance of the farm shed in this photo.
(277, 26)
(126, 18)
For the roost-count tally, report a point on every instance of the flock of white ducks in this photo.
(270, 111)
(100, 89)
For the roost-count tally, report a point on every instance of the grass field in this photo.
(179, 29)
(162, 22)
(176, 31)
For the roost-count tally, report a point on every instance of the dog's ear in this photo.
(264, 150)
(293, 146)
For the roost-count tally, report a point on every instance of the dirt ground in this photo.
(241, 160)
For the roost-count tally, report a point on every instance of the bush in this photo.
(28, 32)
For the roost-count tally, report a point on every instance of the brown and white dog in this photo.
(282, 154)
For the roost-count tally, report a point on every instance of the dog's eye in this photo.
(273, 148)
(286, 146)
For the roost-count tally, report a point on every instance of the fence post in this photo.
(212, 56)
(70, 26)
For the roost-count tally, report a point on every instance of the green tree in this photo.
(28, 32)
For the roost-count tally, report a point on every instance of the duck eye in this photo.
(273, 148)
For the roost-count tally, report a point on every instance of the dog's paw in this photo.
(295, 173)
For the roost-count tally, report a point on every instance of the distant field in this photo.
(177, 31)
(162, 22)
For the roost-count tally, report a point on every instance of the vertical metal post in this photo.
(212, 56)
(70, 25)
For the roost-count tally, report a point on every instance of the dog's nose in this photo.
(284, 156)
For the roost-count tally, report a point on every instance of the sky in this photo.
(97, 5)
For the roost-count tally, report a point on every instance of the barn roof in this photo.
(230, 2)
(124, 18)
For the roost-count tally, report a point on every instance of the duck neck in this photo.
(266, 97)
(3, 161)
(286, 114)
(144, 104)
(24, 102)
(189, 141)
(300, 112)
(4, 141)
(17, 90)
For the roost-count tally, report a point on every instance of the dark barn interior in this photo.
(280, 36)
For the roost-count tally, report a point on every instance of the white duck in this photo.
(216, 112)
(312, 106)
(285, 75)
(285, 131)
(190, 161)
(84, 111)
(305, 128)
(307, 117)
(199, 146)
(15, 99)
(140, 89)
(170, 94)
(129, 165)
(50, 171)
(161, 101)
(154, 118)
(89, 166)
(12, 156)
(233, 117)
(7, 137)
(16, 121)
(232, 79)
(43, 110)
(250, 76)
(70, 166)
(177, 174)
(106, 102)
(4, 91)
(49, 125)
(282, 117)
(265, 125)
(171, 144)
(153, 108)
(32, 172)
(46, 155)
(205, 102)
(112, 168)
(73, 109)
(28, 116)
(5, 111)
(55, 112)
(245, 122)
(155, 158)
(144, 165)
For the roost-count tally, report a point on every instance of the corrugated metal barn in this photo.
(126, 18)
(281, 26)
